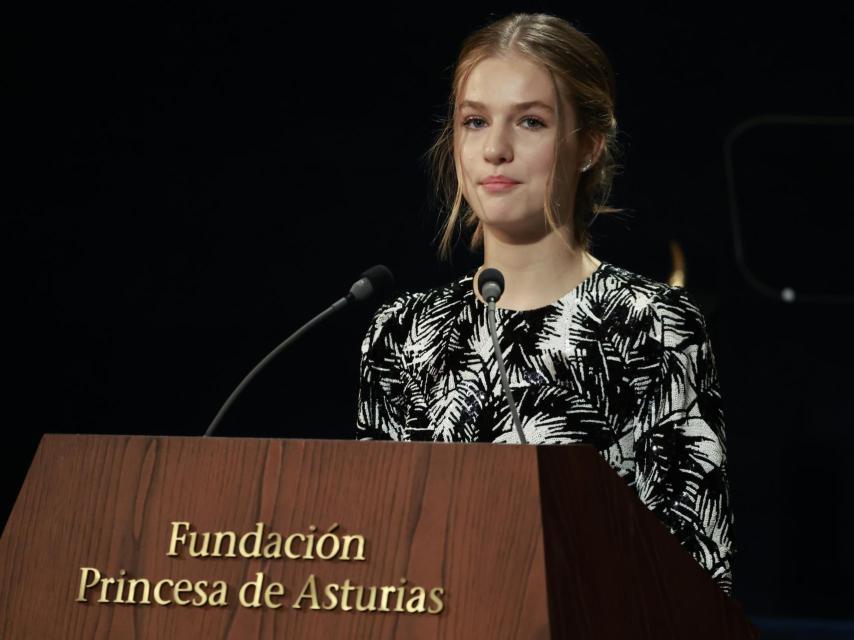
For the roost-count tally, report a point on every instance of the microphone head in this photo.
(380, 277)
(375, 279)
(490, 283)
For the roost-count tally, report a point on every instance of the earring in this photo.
(586, 166)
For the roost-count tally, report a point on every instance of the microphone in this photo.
(377, 278)
(490, 283)
(372, 281)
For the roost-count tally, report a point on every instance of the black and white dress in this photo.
(621, 362)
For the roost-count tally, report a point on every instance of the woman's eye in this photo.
(537, 122)
(468, 121)
(534, 123)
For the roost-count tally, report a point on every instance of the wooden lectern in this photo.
(174, 537)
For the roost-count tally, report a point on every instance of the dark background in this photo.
(188, 186)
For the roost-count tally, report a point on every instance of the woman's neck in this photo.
(536, 273)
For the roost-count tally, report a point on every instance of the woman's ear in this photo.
(592, 149)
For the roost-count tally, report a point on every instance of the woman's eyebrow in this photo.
(520, 105)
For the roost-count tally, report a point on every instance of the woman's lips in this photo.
(496, 187)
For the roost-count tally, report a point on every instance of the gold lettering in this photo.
(360, 551)
(400, 592)
(309, 590)
(273, 589)
(182, 587)
(330, 591)
(157, 597)
(124, 590)
(105, 583)
(436, 597)
(290, 554)
(255, 585)
(218, 596)
(132, 591)
(372, 604)
(199, 553)
(386, 590)
(85, 584)
(345, 598)
(232, 540)
(309, 554)
(330, 538)
(174, 539)
(120, 591)
(256, 536)
(415, 604)
(199, 589)
(273, 549)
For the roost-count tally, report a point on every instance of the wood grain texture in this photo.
(614, 570)
(528, 542)
(465, 518)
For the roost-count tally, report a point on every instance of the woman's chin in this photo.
(516, 229)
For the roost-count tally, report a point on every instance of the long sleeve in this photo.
(681, 470)
(380, 400)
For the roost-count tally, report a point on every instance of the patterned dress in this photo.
(620, 362)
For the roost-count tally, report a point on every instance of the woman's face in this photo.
(506, 125)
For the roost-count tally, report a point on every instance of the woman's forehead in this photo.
(508, 83)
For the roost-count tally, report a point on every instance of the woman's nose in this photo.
(497, 147)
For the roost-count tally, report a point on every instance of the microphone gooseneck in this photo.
(373, 280)
(490, 283)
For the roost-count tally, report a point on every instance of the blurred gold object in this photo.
(677, 258)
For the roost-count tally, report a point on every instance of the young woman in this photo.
(594, 353)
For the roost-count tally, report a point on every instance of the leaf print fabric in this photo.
(620, 362)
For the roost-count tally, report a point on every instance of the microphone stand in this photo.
(372, 280)
(505, 384)
(284, 345)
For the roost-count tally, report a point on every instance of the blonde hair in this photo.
(582, 77)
